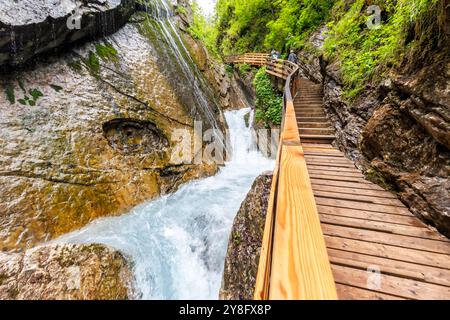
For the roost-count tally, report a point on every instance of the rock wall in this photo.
(244, 247)
(30, 27)
(87, 133)
(397, 132)
(65, 272)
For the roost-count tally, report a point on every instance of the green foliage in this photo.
(242, 25)
(181, 10)
(259, 25)
(203, 29)
(30, 97)
(92, 62)
(106, 52)
(268, 103)
(75, 65)
(244, 68)
(229, 69)
(366, 54)
(295, 22)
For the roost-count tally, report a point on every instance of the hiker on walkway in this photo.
(274, 54)
(293, 57)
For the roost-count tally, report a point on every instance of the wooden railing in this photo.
(294, 263)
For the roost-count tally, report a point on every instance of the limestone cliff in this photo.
(87, 132)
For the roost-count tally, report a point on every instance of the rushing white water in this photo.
(178, 243)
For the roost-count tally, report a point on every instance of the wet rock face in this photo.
(31, 27)
(133, 136)
(59, 168)
(244, 247)
(65, 272)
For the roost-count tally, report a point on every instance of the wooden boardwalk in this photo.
(376, 247)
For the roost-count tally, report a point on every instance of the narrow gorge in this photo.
(164, 149)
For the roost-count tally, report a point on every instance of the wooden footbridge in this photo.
(330, 234)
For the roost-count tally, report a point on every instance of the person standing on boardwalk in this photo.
(293, 57)
(274, 54)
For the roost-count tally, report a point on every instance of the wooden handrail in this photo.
(294, 263)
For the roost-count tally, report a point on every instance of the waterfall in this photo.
(160, 11)
(178, 243)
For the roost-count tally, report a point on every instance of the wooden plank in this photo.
(362, 206)
(360, 198)
(389, 239)
(371, 216)
(325, 164)
(300, 263)
(346, 292)
(338, 183)
(323, 176)
(354, 174)
(406, 288)
(386, 227)
(391, 267)
(337, 162)
(389, 252)
(365, 192)
(327, 168)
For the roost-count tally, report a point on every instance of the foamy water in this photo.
(178, 242)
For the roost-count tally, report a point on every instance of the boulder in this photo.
(65, 272)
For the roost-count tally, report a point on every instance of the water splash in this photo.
(178, 243)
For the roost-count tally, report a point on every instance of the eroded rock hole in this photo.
(135, 136)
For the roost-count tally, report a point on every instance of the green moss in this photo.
(229, 69)
(92, 62)
(21, 85)
(181, 10)
(35, 93)
(75, 65)
(244, 69)
(106, 52)
(376, 177)
(10, 95)
(237, 238)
